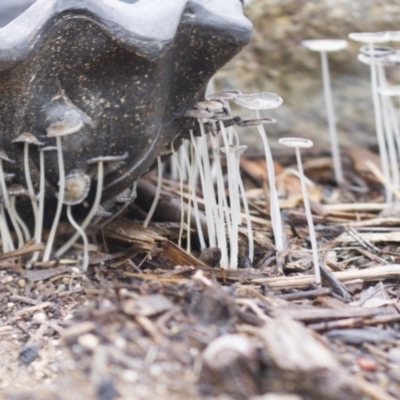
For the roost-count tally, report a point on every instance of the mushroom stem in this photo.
(92, 212)
(379, 126)
(179, 165)
(5, 232)
(19, 220)
(31, 192)
(274, 201)
(7, 206)
(157, 195)
(81, 232)
(310, 221)
(39, 221)
(206, 194)
(192, 184)
(61, 190)
(337, 163)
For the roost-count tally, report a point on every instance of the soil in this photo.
(150, 321)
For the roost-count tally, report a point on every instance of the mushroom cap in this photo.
(211, 106)
(377, 51)
(255, 122)
(17, 190)
(386, 61)
(77, 187)
(394, 36)
(71, 122)
(325, 44)
(223, 116)
(27, 137)
(199, 114)
(48, 148)
(389, 91)
(259, 101)
(296, 142)
(107, 159)
(370, 37)
(238, 150)
(225, 95)
(4, 156)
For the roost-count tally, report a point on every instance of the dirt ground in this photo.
(150, 321)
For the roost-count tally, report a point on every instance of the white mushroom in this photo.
(70, 123)
(297, 144)
(27, 139)
(99, 161)
(372, 38)
(323, 47)
(77, 187)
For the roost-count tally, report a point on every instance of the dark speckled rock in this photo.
(130, 68)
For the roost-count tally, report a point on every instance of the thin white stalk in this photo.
(31, 192)
(14, 218)
(274, 202)
(92, 212)
(189, 168)
(388, 128)
(209, 184)
(337, 163)
(157, 195)
(310, 222)
(19, 220)
(82, 233)
(222, 201)
(39, 221)
(206, 194)
(379, 126)
(192, 168)
(179, 165)
(234, 245)
(7, 206)
(248, 220)
(5, 232)
(61, 190)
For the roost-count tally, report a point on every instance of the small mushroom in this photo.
(27, 139)
(77, 187)
(70, 123)
(258, 101)
(371, 38)
(211, 106)
(255, 122)
(225, 95)
(199, 114)
(297, 144)
(323, 47)
(99, 161)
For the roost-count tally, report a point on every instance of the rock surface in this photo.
(275, 61)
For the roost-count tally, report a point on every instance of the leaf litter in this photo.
(152, 320)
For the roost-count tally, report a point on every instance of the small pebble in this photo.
(22, 283)
(27, 354)
(40, 317)
(367, 364)
(88, 341)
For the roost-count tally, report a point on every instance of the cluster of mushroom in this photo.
(379, 56)
(73, 188)
(214, 115)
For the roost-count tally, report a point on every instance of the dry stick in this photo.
(369, 274)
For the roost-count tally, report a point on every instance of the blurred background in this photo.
(275, 61)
